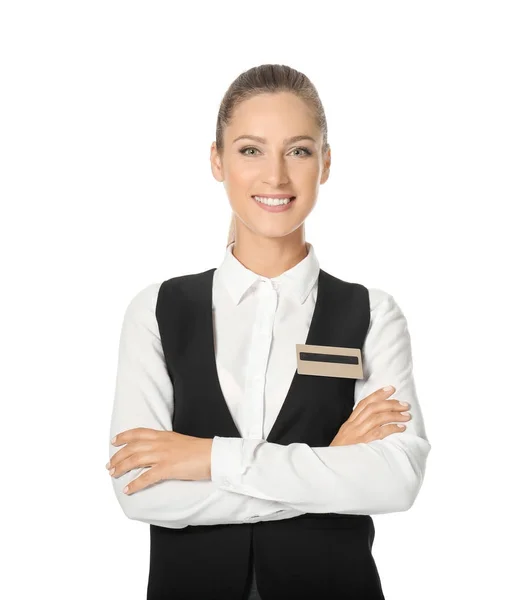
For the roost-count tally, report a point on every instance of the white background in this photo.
(108, 111)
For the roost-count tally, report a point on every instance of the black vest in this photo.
(312, 556)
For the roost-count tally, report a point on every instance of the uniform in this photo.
(300, 523)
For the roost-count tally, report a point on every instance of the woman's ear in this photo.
(327, 160)
(216, 163)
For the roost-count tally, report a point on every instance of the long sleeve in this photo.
(144, 398)
(381, 476)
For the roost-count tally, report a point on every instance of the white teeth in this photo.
(272, 201)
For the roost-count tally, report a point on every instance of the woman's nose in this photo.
(276, 173)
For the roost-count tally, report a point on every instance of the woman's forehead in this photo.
(272, 119)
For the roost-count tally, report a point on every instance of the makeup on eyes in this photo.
(307, 151)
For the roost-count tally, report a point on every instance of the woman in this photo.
(253, 428)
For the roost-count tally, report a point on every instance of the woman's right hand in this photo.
(368, 419)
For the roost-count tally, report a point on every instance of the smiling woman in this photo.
(263, 105)
(258, 478)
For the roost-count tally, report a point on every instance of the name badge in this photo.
(329, 361)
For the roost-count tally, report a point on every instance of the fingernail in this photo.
(112, 471)
(403, 403)
(389, 388)
(401, 426)
(125, 490)
(107, 466)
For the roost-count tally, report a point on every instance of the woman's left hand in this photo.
(170, 455)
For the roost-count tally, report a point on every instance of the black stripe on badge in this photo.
(329, 358)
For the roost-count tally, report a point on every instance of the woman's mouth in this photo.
(274, 204)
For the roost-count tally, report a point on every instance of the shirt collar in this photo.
(295, 283)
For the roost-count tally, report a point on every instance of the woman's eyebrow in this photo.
(262, 140)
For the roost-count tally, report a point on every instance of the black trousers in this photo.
(251, 592)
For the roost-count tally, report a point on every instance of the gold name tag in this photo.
(329, 361)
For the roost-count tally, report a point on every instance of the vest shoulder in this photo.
(351, 284)
(378, 297)
(185, 283)
(186, 277)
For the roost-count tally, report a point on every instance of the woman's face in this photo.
(274, 164)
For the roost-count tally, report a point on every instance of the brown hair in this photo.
(266, 79)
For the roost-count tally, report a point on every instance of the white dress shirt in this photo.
(257, 322)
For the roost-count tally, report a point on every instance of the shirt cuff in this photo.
(229, 460)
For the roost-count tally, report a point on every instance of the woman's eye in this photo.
(249, 148)
(306, 151)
